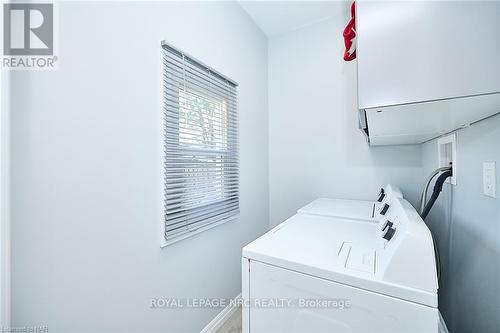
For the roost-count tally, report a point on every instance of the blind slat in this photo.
(201, 165)
(176, 232)
(196, 221)
(174, 213)
(183, 202)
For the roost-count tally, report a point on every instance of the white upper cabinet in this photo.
(423, 54)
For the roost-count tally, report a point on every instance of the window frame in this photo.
(229, 205)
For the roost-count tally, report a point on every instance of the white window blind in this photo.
(201, 145)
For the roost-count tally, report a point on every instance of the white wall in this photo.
(466, 225)
(86, 144)
(315, 147)
(4, 201)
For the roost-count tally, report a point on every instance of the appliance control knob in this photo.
(381, 195)
(389, 234)
(384, 209)
(388, 224)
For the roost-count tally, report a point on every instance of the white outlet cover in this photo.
(447, 153)
(489, 179)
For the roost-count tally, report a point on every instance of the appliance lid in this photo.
(343, 208)
(339, 250)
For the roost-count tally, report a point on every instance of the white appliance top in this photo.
(355, 253)
(353, 209)
(342, 208)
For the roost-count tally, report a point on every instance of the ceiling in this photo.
(275, 18)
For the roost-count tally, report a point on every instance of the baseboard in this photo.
(222, 317)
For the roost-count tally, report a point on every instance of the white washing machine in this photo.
(316, 273)
(354, 209)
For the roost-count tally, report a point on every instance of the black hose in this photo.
(437, 255)
(438, 187)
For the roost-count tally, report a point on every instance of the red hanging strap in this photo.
(350, 36)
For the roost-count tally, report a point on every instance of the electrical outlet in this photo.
(447, 155)
(489, 179)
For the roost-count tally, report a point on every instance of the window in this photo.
(201, 146)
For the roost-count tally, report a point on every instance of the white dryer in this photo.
(354, 209)
(316, 273)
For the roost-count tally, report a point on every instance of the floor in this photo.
(233, 324)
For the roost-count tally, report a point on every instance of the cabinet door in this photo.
(413, 51)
